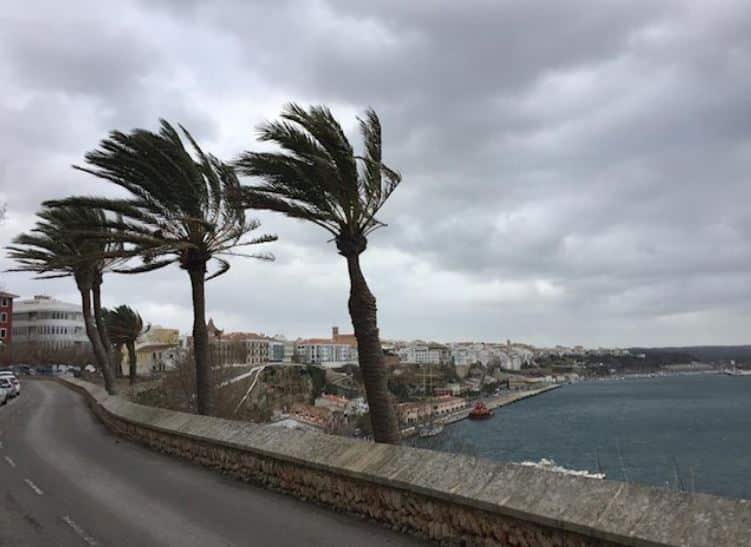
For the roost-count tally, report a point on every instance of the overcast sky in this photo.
(573, 172)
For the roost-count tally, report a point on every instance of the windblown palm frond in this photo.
(184, 206)
(124, 325)
(67, 241)
(74, 241)
(317, 176)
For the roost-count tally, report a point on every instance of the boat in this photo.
(735, 371)
(430, 430)
(480, 412)
(738, 372)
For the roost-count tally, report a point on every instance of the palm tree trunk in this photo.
(363, 311)
(117, 359)
(131, 345)
(204, 393)
(96, 289)
(96, 343)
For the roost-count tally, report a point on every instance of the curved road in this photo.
(65, 480)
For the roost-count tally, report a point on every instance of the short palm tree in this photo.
(317, 177)
(55, 248)
(124, 326)
(184, 207)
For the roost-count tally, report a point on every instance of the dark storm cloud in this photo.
(573, 171)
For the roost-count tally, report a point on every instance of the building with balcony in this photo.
(424, 353)
(244, 348)
(338, 350)
(48, 322)
(416, 412)
(322, 351)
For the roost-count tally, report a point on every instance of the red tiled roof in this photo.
(316, 341)
(346, 339)
(243, 336)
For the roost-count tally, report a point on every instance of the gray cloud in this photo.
(573, 173)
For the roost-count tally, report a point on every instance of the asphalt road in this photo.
(65, 480)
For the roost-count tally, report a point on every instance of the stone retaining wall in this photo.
(456, 500)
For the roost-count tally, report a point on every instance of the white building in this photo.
(321, 351)
(509, 356)
(338, 350)
(45, 320)
(424, 353)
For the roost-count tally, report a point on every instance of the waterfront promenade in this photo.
(498, 402)
(491, 402)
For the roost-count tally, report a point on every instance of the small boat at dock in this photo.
(480, 412)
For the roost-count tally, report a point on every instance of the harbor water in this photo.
(691, 433)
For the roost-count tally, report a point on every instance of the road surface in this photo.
(65, 480)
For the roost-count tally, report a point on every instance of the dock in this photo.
(498, 402)
(492, 403)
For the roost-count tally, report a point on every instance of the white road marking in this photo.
(10, 462)
(80, 531)
(34, 487)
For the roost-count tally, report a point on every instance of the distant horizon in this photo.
(345, 328)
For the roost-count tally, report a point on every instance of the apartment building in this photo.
(48, 321)
(6, 325)
(338, 350)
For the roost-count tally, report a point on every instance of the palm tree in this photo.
(184, 207)
(55, 248)
(318, 178)
(125, 325)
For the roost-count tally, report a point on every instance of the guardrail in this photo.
(446, 497)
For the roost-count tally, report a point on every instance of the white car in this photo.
(6, 387)
(15, 388)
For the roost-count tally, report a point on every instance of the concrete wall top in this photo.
(625, 513)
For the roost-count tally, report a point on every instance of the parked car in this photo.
(15, 384)
(22, 369)
(6, 387)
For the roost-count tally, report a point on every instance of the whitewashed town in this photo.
(296, 382)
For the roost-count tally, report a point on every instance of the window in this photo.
(4, 302)
(3, 317)
(3, 333)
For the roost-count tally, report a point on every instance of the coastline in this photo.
(492, 403)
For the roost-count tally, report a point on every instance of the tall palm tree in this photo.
(125, 325)
(55, 248)
(317, 177)
(184, 207)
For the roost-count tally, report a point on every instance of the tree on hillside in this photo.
(125, 325)
(56, 248)
(317, 177)
(184, 208)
